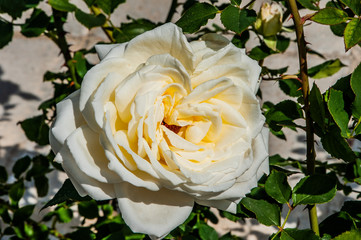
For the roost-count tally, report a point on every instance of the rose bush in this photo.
(161, 123)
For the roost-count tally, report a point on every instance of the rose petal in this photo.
(89, 156)
(95, 189)
(153, 213)
(224, 205)
(104, 49)
(68, 119)
(154, 42)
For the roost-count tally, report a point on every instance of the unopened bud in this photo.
(269, 19)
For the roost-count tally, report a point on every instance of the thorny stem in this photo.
(306, 92)
(172, 10)
(105, 26)
(60, 40)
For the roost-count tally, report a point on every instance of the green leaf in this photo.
(308, 4)
(338, 29)
(67, 191)
(354, 5)
(89, 2)
(239, 40)
(62, 5)
(337, 146)
(22, 214)
(88, 209)
(236, 19)
(108, 6)
(356, 88)
(14, 8)
(236, 2)
(206, 232)
(7, 32)
(16, 192)
(21, 165)
(330, 16)
(291, 87)
(266, 213)
(336, 107)
(3, 174)
(283, 114)
(352, 34)
(277, 187)
(128, 31)
(353, 208)
(314, 189)
(36, 24)
(282, 43)
(351, 235)
(196, 17)
(65, 214)
(260, 52)
(317, 107)
(80, 64)
(42, 185)
(36, 130)
(89, 20)
(40, 167)
(337, 223)
(325, 69)
(296, 234)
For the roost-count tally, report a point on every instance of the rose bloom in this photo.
(161, 123)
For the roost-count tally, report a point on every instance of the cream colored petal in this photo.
(252, 113)
(95, 189)
(154, 213)
(224, 205)
(179, 142)
(135, 177)
(104, 94)
(94, 77)
(89, 156)
(166, 39)
(196, 132)
(207, 90)
(260, 154)
(68, 119)
(227, 57)
(104, 49)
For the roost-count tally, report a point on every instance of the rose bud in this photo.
(269, 19)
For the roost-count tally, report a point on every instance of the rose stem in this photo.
(306, 92)
(171, 10)
(105, 26)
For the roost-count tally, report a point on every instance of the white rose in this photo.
(161, 123)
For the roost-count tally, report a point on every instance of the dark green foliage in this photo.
(196, 16)
(67, 191)
(89, 20)
(36, 130)
(36, 24)
(6, 35)
(314, 189)
(237, 19)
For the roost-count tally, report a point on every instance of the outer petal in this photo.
(104, 49)
(68, 119)
(84, 184)
(167, 38)
(153, 213)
